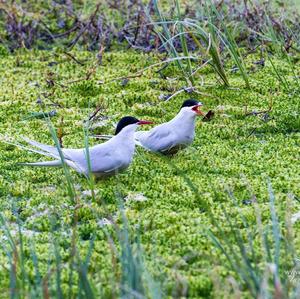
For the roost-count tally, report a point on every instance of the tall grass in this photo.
(90, 176)
(225, 36)
(135, 280)
(169, 30)
(269, 270)
(166, 36)
(210, 32)
(265, 272)
(68, 177)
(183, 42)
(207, 37)
(274, 44)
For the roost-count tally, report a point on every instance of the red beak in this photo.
(198, 111)
(144, 122)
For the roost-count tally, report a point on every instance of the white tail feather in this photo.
(54, 163)
(47, 148)
(21, 146)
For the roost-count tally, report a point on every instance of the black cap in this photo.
(189, 103)
(125, 121)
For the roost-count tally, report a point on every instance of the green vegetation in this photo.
(166, 216)
(219, 219)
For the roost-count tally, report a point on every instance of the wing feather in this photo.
(158, 139)
(103, 157)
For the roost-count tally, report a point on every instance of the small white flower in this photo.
(99, 124)
(88, 193)
(104, 221)
(220, 108)
(136, 197)
(295, 217)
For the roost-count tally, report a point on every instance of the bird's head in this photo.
(192, 107)
(130, 122)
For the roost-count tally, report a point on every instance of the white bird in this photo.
(106, 159)
(174, 135)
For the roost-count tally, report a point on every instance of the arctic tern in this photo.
(106, 159)
(174, 135)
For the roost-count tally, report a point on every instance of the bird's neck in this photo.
(184, 119)
(126, 135)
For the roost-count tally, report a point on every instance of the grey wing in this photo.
(104, 159)
(160, 138)
(76, 155)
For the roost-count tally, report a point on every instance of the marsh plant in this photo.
(206, 37)
(66, 274)
(66, 236)
(263, 257)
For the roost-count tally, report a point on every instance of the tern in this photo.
(174, 135)
(106, 159)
